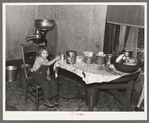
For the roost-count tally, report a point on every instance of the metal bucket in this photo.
(11, 73)
(71, 57)
(22, 75)
(92, 96)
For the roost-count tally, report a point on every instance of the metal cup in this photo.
(71, 57)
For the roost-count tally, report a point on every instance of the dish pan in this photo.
(126, 68)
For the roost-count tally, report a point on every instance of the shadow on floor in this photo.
(15, 99)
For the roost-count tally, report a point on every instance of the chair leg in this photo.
(37, 100)
(26, 92)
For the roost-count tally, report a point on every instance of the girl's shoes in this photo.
(48, 103)
(55, 100)
(138, 109)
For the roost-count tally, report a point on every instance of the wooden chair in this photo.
(33, 91)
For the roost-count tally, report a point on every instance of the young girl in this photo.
(41, 74)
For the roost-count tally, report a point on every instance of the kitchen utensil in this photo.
(100, 60)
(42, 27)
(11, 73)
(108, 59)
(43, 24)
(88, 60)
(128, 53)
(120, 58)
(71, 56)
(126, 68)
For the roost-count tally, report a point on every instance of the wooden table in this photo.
(116, 82)
(125, 82)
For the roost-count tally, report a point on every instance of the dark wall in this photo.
(131, 15)
(78, 27)
(19, 24)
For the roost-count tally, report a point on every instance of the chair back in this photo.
(27, 48)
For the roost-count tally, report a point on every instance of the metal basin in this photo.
(126, 68)
(44, 24)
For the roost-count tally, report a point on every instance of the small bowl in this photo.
(126, 68)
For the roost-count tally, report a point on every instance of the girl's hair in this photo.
(40, 49)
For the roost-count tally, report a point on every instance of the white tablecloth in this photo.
(91, 73)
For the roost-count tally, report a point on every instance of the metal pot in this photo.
(44, 24)
(100, 60)
(71, 56)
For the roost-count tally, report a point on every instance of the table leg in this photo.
(91, 106)
(127, 100)
(91, 99)
(128, 96)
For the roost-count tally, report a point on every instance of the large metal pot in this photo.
(44, 24)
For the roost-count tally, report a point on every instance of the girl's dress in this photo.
(50, 88)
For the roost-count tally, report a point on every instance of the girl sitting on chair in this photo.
(41, 75)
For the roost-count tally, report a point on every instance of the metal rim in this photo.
(43, 20)
(11, 68)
